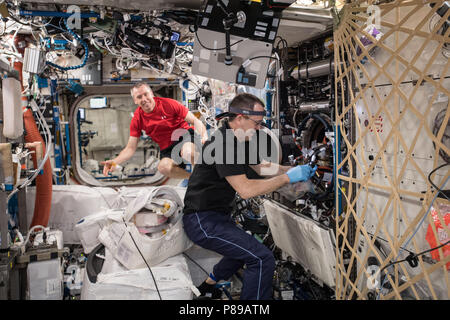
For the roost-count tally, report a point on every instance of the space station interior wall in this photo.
(399, 103)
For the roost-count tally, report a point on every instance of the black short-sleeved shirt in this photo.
(208, 190)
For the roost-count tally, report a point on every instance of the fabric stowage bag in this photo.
(130, 247)
(88, 228)
(172, 278)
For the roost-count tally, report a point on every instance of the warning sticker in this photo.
(377, 125)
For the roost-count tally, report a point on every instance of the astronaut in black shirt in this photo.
(228, 165)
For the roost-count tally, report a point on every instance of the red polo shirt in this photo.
(167, 116)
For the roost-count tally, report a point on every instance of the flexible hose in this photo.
(44, 183)
(43, 201)
(86, 52)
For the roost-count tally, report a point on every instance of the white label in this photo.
(287, 295)
(260, 34)
(262, 23)
(443, 236)
(246, 63)
(275, 22)
(272, 35)
(203, 67)
(205, 54)
(53, 287)
(261, 28)
(327, 176)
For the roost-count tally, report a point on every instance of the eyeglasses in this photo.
(257, 123)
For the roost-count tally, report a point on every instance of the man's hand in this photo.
(108, 166)
(124, 155)
(300, 173)
(199, 127)
(204, 138)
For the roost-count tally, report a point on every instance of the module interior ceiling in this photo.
(140, 5)
(298, 23)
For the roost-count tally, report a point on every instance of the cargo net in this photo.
(392, 234)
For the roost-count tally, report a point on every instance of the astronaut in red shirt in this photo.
(169, 124)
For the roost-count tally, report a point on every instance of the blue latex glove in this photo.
(300, 173)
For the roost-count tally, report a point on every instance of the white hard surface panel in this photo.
(304, 240)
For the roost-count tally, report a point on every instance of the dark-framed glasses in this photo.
(257, 123)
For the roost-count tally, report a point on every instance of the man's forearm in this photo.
(200, 128)
(284, 169)
(124, 155)
(260, 187)
(269, 169)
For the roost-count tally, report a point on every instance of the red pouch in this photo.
(440, 208)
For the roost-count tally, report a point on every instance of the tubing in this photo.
(43, 201)
(86, 52)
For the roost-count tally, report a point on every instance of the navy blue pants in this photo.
(217, 232)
